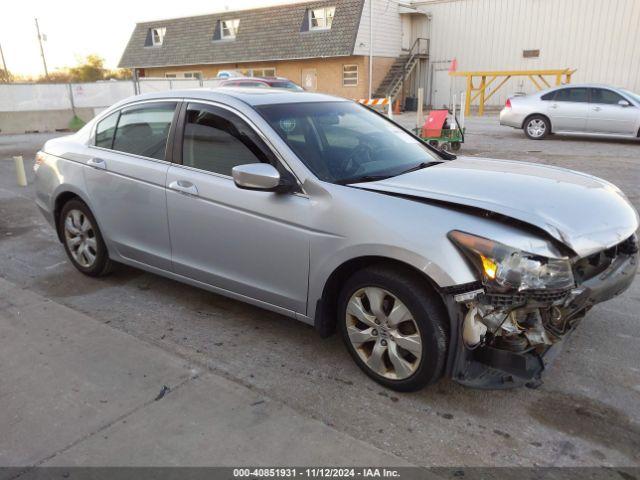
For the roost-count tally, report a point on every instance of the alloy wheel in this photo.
(80, 238)
(536, 128)
(384, 333)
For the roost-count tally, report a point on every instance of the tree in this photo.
(89, 69)
(5, 76)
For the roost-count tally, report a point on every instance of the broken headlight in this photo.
(505, 269)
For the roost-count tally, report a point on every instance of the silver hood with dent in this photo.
(584, 212)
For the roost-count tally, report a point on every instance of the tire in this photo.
(379, 348)
(83, 228)
(455, 146)
(537, 127)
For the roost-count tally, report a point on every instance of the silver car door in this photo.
(125, 179)
(252, 243)
(569, 110)
(606, 115)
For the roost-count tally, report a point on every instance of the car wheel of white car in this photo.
(82, 239)
(537, 127)
(393, 328)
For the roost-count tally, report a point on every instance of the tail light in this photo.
(508, 104)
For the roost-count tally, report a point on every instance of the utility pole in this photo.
(44, 60)
(370, 47)
(4, 65)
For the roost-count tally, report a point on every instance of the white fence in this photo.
(99, 95)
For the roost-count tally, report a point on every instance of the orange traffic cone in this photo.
(396, 107)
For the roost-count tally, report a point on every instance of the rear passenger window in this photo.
(105, 130)
(217, 140)
(548, 96)
(607, 97)
(144, 130)
(571, 95)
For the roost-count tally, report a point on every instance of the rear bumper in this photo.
(489, 367)
(509, 118)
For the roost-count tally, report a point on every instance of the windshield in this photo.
(634, 96)
(342, 142)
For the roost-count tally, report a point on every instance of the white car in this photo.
(575, 109)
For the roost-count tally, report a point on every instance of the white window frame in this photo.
(161, 32)
(252, 72)
(194, 75)
(232, 26)
(348, 77)
(323, 17)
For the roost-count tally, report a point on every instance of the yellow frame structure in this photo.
(488, 77)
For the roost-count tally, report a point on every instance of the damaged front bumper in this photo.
(505, 341)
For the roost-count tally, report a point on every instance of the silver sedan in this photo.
(322, 210)
(597, 110)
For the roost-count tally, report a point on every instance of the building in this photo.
(322, 45)
(327, 45)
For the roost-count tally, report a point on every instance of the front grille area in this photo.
(588, 267)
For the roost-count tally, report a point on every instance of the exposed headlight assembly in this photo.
(505, 269)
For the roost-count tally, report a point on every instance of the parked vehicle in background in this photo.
(322, 210)
(598, 110)
(262, 82)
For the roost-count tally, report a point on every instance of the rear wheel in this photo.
(82, 239)
(394, 328)
(537, 127)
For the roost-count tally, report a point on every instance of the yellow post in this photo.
(467, 103)
(483, 85)
(559, 79)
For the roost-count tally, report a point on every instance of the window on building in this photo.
(604, 96)
(189, 75)
(105, 130)
(350, 75)
(258, 72)
(216, 140)
(229, 28)
(321, 18)
(143, 130)
(157, 36)
(571, 95)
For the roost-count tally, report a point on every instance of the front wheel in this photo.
(537, 127)
(394, 327)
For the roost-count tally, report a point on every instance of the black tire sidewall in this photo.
(100, 266)
(429, 316)
(537, 117)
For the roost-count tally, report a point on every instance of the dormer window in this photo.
(321, 18)
(157, 36)
(229, 28)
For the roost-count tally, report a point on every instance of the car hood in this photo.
(584, 212)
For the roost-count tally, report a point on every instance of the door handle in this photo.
(97, 163)
(596, 109)
(184, 186)
(554, 106)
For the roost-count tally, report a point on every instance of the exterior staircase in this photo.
(400, 70)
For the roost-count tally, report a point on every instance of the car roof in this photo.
(584, 85)
(248, 95)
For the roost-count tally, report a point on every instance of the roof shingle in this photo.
(272, 33)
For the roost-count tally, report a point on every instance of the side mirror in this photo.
(624, 103)
(261, 176)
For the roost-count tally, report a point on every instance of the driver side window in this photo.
(216, 140)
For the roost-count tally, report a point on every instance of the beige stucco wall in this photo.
(328, 72)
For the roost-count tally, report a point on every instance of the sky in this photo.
(77, 28)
